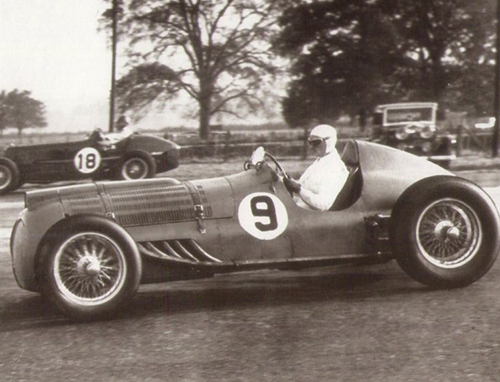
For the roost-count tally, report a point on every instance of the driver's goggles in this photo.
(316, 141)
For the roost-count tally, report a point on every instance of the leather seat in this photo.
(354, 183)
(350, 192)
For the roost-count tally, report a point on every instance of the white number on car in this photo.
(263, 215)
(87, 160)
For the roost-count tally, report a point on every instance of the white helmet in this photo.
(326, 132)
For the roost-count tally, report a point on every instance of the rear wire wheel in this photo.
(448, 233)
(10, 178)
(138, 166)
(444, 232)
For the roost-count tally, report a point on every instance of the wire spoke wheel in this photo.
(6, 177)
(448, 233)
(444, 232)
(89, 268)
(135, 168)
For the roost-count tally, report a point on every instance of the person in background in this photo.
(322, 181)
(122, 130)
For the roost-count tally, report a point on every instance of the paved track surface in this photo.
(348, 324)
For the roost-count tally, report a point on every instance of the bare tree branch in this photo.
(215, 51)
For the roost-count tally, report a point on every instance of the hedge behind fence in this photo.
(223, 145)
(227, 145)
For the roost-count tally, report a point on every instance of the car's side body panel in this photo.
(163, 151)
(48, 162)
(151, 144)
(26, 240)
(388, 172)
(328, 233)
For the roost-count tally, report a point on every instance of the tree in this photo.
(445, 45)
(19, 110)
(215, 51)
(349, 55)
(342, 51)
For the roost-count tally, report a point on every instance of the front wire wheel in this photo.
(448, 233)
(89, 269)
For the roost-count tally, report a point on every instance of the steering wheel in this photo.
(281, 171)
(258, 159)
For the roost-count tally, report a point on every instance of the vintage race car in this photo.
(135, 157)
(414, 127)
(88, 247)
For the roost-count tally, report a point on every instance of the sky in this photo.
(53, 48)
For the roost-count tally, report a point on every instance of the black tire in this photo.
(10, 179)
(444, 232)
(137, 165)
(91, 269)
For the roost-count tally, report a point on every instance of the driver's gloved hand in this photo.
(292, 185)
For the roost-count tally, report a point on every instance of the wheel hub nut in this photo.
(89, 266)
(453, 233)
(445, 230)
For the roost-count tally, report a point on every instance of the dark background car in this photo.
(135, 157)
(413, 127)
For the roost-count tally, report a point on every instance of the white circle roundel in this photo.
(263, 215)
(87, 160)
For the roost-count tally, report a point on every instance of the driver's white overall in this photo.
(119, 135)
(321, 182)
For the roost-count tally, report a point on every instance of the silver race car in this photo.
(88, 247)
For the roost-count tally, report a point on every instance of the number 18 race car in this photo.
(135, 157)
(88, 247)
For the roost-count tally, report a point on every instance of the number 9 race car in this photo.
(88, 247)
(135, 157)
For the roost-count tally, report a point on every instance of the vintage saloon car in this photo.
(135, 157)
(413, 127)
(88, 247)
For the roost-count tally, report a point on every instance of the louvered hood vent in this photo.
(147, 206)
(184, 251)
(155, 206)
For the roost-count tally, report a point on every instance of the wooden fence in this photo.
(473, 140)
(227, 145)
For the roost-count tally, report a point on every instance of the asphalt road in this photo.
(348, 324)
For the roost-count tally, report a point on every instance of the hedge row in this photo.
(226, 145)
